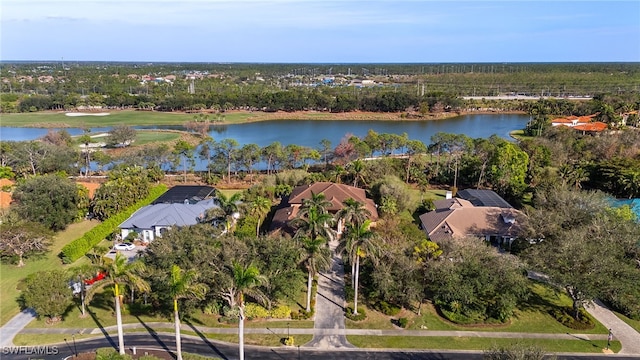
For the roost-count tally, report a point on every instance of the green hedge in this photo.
(79, 247)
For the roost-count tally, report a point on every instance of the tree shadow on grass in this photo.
(542, 303)
(99, 324)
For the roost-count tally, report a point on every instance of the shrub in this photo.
(288, 341)
(385, 308)
(403, 322)
(563, 316)
(255, 311)
(79, 247)
(280, 312)
(302, 315)
(361, 315)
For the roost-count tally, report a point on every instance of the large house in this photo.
(179, 206)
(336, 194)
(476, 213)
(582, 123)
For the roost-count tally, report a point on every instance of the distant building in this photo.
(582, 123)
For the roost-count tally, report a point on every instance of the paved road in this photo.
(330, 303)
(194, 344)
(14, 326)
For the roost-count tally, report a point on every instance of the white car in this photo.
(124, 246)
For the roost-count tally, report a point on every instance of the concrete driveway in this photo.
(129, 254)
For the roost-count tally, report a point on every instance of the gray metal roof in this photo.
(151, 216)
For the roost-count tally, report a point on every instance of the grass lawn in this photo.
(10, 275)
(123, 117)
(255, 339)
(149, 136)
(475, 343)
(519, 135)
(532, 316)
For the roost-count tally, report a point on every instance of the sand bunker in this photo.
(87, 114)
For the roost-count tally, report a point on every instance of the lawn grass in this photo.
(43, 339)
(255, 339)
(10, 275)
(51, 119)
(148, 136)
(532, 316)
(476, 343)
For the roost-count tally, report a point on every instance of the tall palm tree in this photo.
(316, 201)
(357, 169)
(183, 285)
(121, 272)
(316, 257)
(260, 206)
(314, 224)
(358, 242)
(244, 281)
(353, 212)
(228, 208)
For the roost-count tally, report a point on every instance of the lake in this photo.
(310, 132)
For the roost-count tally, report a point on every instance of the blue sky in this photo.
(345, 31)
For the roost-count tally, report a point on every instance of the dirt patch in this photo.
(91, 186)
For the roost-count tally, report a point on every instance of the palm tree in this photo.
(122, 272)
(358, 242)
(183, 285)
(228, 208)
(244, 281)
(313, 219)
(316, 258)
(316, 201)
(314, 224)
(357, 169)
(260, 206)
(337, 173)
(353, 212)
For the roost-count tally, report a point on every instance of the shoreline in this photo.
(233, 117)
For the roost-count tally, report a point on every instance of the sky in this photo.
(320, 31)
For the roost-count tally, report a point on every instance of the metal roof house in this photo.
(179, 206)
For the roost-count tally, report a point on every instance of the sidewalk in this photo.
(627, 335)
(14, 326)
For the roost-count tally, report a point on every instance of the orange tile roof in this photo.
(591, 127)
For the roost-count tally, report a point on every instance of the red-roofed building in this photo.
(582, 123)
(334, 193)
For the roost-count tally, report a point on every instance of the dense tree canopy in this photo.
(50, 200)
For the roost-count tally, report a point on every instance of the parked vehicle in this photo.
(124, 246)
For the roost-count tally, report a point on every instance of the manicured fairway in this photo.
(122, 117)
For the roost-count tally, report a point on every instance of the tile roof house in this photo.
(336, 194)
(582, 123)
(487, 216)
